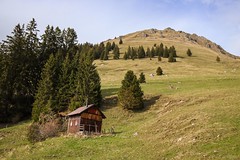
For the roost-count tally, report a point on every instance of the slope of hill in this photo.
(170, 34)
(191, 112)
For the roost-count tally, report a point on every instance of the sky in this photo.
(98, 20)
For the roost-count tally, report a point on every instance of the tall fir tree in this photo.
(49, 44)
(5, 86)
(32, 70)
(70, 39)
(88, 83)
(65, 84)
(47, 90)
(20, 71)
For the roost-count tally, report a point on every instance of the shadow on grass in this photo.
(109, 102)
(7, 125)
(109, 91)
(112, 101)
(110, 98)
(148, 102)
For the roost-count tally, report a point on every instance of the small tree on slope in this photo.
(130, 95)
(159, 71)
(142, 78)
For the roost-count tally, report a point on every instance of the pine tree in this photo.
(66, 84)
(88, 84)
(5, 86)
(20, 71)
(130, 95)
(153, 52)
(47, 89)
(159, 71)
(161, 50)
(108, 46)
(101, 49)
(141, 52)
(70, 39)
(189, 52)
(166, 52)
(218, 59)
(120, 41)
(142, 78)
(148, 53)
(129, 52)
(171, 57)
(102, 55)
(32, 70)
(173, 51)
(133, 54)
(113, 45)
(49, 45)
(96, 51)
(105, 55)
(157, 51)
(125, 56)
(116, 52)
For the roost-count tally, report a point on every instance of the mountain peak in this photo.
(181, 36)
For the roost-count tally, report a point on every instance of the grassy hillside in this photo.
(191, 112)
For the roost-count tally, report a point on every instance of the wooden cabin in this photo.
(85, 120)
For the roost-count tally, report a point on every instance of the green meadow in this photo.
(191, 112)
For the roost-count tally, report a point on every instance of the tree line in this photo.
(156, 51)
(50, 72)
(103, 52)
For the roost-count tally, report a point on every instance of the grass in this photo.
(192, 112)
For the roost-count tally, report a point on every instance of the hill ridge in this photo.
(180, 36)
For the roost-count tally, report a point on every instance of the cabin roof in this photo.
(82, 109)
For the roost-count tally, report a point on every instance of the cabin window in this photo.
(71, 123)
(75, 123)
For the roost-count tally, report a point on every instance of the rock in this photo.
(135, 134)
(179, 139)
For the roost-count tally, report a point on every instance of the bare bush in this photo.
(49, 129)
(50, 125)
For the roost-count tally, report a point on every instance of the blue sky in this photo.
(98, 20)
